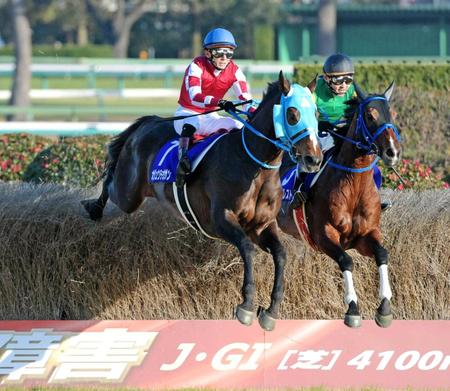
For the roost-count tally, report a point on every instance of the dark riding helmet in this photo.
(338, 64)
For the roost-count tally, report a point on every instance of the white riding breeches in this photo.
(205, 124)
(326, 142)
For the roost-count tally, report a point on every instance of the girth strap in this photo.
(182, 202)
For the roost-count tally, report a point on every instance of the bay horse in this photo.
(235, 191)
(342, 210)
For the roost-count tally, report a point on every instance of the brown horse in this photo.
(235, 191)
(343, 207)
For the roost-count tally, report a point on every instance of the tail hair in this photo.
(117, 143)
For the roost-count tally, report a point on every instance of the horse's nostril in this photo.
(309, 160)
(312, 160)
(390, 153)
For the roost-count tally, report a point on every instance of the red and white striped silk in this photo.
(203, 85)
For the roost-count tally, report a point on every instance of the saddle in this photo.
(164, 165)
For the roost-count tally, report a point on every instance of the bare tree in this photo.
(22, 47)
(327, 27)
(125, 17)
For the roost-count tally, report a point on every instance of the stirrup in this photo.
(300, 198)
(183, 170)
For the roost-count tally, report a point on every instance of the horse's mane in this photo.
(272, 89)
(352, 105)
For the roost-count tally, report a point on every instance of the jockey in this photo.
(206, 81)
(333, 89)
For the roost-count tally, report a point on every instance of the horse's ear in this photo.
(359, 92)
(389, 91)
(312, 84)
(285, 86)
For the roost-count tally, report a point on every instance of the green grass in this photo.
(113, 83)
(104, 83)
(94, 109)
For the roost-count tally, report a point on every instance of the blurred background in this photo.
(90, 67)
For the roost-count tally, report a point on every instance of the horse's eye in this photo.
(372, 114)
(292, 115)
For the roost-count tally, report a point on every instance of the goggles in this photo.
(220, 52)
(338, 80)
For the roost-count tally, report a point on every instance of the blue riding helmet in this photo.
(218, 37)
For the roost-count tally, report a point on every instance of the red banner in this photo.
(224, 354)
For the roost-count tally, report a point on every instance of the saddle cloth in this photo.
(290, 182)
(164, 166)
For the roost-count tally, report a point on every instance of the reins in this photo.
(368, 142)
(286, 142)
(163, 119)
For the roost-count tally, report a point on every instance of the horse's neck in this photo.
(351, 156)
(263, 149)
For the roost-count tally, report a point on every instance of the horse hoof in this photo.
(94, 210)
(353, 321)
(266, 321)
(383, 320)
(244, 316)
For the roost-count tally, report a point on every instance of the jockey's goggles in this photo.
(338, 80)
(220, 52)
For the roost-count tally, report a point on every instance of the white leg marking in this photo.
(314, 140)
(385, 288)
(396, 151)
(350, 293)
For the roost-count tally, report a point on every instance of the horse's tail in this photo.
(117, 143)
(95, 206)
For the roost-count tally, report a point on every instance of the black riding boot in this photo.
(300, 196)
(184, 164)
(387, 204)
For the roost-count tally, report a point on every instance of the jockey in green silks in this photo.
(333, 89)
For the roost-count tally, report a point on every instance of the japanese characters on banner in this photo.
(223, 354)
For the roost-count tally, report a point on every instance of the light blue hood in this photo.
(300, 98)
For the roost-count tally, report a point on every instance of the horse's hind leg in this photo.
(270, 242)
(228, 228)
(128, 189)
(371, 246)
(95, 206)
(333, 249)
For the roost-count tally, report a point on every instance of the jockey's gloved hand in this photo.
(226, 105)
(325, 126)
(251, 112)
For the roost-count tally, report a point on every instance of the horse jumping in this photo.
(234, 192)
(343, 207)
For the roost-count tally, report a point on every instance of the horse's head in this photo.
(295, 124)
(375, 127)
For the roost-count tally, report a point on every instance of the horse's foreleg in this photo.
(329, 243)
(270, 242)
(371, 246)
(228, 228)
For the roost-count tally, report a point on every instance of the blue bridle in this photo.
(368, 139)
(288, 135)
